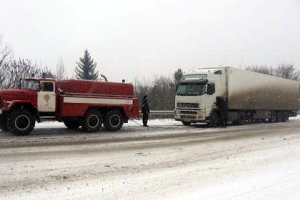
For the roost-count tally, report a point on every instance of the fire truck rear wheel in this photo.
(72, 124)
(21, 122)
(113, 120)
(92, 121)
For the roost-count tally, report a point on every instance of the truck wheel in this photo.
(113, 120)
(72, 124)
(21, 122)
(3, 125)
(240, 121)
(214, 119)
(185, 123)
(92, 121)
(285, 117)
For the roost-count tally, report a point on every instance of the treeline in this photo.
(12, 70)
(287, 71)
(160, 92)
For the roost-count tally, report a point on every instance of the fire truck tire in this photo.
(92, 121)
(3, 125)
(113, 120)
(21, 122)
(72, 124)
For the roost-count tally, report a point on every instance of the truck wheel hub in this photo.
(93, 121)
(22, 122)
(115, 120)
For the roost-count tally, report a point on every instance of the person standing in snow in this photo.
(145, 111)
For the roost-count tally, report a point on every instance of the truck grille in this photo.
(187, 105)
(188, 112)
(187, 117)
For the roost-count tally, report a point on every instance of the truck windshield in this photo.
(191, 89)
(30, 85)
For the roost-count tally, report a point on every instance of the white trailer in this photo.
(249, 96)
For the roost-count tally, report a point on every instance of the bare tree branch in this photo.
(60, 70)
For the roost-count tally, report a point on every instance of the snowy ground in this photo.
(165, 161)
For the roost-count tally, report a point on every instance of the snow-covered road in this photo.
(165, 161)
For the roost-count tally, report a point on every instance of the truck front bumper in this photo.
(190, 115)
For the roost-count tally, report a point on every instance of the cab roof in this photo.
(40, 79)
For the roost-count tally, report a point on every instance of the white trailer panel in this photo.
(248, 90)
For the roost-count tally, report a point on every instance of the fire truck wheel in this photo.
(113, 120)
(3, 125)
(72, 124)
(21, 122)
(92, 121)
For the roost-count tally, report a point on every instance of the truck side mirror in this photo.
(211, 88)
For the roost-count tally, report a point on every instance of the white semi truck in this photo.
(249, 96)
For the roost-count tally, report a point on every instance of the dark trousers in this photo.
(145, 118)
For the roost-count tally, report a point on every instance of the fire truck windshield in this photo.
(30, 85)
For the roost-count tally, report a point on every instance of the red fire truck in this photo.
(84, 103)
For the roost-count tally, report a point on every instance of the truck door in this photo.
(46, 97)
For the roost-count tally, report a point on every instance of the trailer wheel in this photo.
(21, 122)
(285, 116)
(92, 121)
(113, 120)
(72, 124)
(185, 123)
(241, 120)
(279, 116)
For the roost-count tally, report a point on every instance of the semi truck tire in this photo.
(113, 120)
(214, 119)
(92, 121)
(185, 123)
(72, 124)
(286, 117)
(21, 122)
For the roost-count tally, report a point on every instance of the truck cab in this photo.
(44, 97)
(196, 95)
(35, 97)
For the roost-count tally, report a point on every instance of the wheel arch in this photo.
(28, 106)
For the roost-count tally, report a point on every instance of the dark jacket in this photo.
(145, 106)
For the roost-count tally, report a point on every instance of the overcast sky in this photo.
(143, 38)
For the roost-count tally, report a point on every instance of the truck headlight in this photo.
(201, 113)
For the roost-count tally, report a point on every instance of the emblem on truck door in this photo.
(46, 98)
